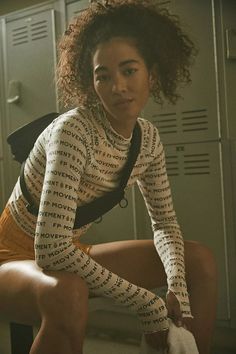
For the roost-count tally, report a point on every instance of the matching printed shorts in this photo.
(15, 244)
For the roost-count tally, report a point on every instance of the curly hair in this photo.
(156, 33)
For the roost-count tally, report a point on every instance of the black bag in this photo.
(22, 141)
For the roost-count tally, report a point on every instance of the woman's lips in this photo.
(123, 102)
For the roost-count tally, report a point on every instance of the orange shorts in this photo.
(15, 244)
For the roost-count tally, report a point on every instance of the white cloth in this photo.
(180, 341)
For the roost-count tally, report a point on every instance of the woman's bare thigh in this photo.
(20, 286)
(21, 282)
(138, 261)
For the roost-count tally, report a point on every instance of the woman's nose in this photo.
(118, 84)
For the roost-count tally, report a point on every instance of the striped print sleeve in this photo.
(155, 188)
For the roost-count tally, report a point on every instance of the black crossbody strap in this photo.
(132, 157)
(93, 210)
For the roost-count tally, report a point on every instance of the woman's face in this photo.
(121, 81)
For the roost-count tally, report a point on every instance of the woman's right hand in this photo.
(157, 340)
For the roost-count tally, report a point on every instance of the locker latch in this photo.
(13, 91)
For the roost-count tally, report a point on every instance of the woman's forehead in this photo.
(116, 50)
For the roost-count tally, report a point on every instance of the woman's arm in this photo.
(154, 186)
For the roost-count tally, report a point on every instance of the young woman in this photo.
(112, 58)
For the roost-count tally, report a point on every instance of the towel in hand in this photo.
(180, 341)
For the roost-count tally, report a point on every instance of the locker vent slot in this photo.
(166, 123)
(172, 165)
(78, 12)
(164, 3)
(197, 164)
(196, 120)
(39, 30)
(20, 35)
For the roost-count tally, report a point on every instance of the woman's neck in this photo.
(124, 127)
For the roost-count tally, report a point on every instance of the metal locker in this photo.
(2, 189)
(195, 174)
(195, 116)
(74, 8)
(232, 240)
(29, 63)
(226, 40)
(192, 133)
(227, 50)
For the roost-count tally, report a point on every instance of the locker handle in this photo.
(13, 91)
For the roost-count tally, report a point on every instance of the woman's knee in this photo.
(63, 298)
(201, 261)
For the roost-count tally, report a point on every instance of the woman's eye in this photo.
(130, 71)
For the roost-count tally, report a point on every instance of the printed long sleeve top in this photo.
(78, 158)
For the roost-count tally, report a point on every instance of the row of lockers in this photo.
(196, 132)
(195, 118)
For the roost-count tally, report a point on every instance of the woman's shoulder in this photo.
(75, 121)
(150, 134)
(78, 117)
(147, 126)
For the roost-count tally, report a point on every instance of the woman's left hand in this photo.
(174, 312)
